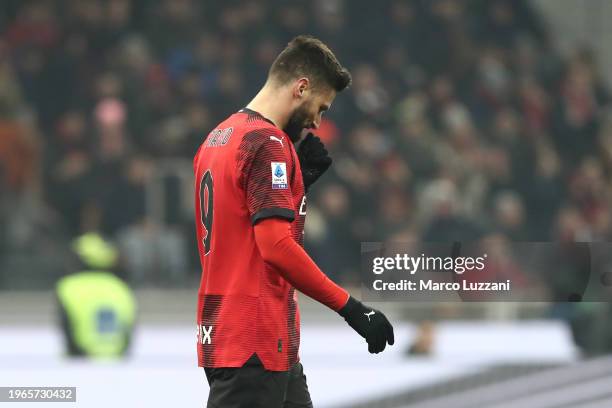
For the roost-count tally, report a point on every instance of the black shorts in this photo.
(252, 386)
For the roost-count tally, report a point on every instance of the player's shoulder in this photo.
(254, 121)
(259, 132)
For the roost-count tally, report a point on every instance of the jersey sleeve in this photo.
(266, 169)
(279, 249)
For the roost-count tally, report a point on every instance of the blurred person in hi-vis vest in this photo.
(97, 309)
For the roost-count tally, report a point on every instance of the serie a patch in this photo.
(279, 175)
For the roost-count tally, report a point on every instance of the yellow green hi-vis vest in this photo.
(101, 310)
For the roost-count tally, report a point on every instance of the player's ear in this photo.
(301, 87)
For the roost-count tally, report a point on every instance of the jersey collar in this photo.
(252, 112)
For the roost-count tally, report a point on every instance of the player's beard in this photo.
(296, 123)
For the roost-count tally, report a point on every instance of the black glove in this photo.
(314, 159)
(370, 323)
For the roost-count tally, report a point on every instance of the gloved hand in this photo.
(314, 159)
(370, 323)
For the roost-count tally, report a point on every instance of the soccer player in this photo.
(250, 208)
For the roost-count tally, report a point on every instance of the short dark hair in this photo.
(306, 56)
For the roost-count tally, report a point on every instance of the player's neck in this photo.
(271, 104)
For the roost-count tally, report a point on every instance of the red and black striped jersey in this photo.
(245, 170)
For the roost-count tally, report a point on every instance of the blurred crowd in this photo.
(462, 122)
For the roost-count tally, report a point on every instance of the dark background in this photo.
(462, 122)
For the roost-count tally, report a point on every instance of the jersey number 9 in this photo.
(206, 209)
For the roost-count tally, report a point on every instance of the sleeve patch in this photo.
(279, 175)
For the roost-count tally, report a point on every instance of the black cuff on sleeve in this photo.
(272, 212)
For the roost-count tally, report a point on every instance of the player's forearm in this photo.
(278, 248)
